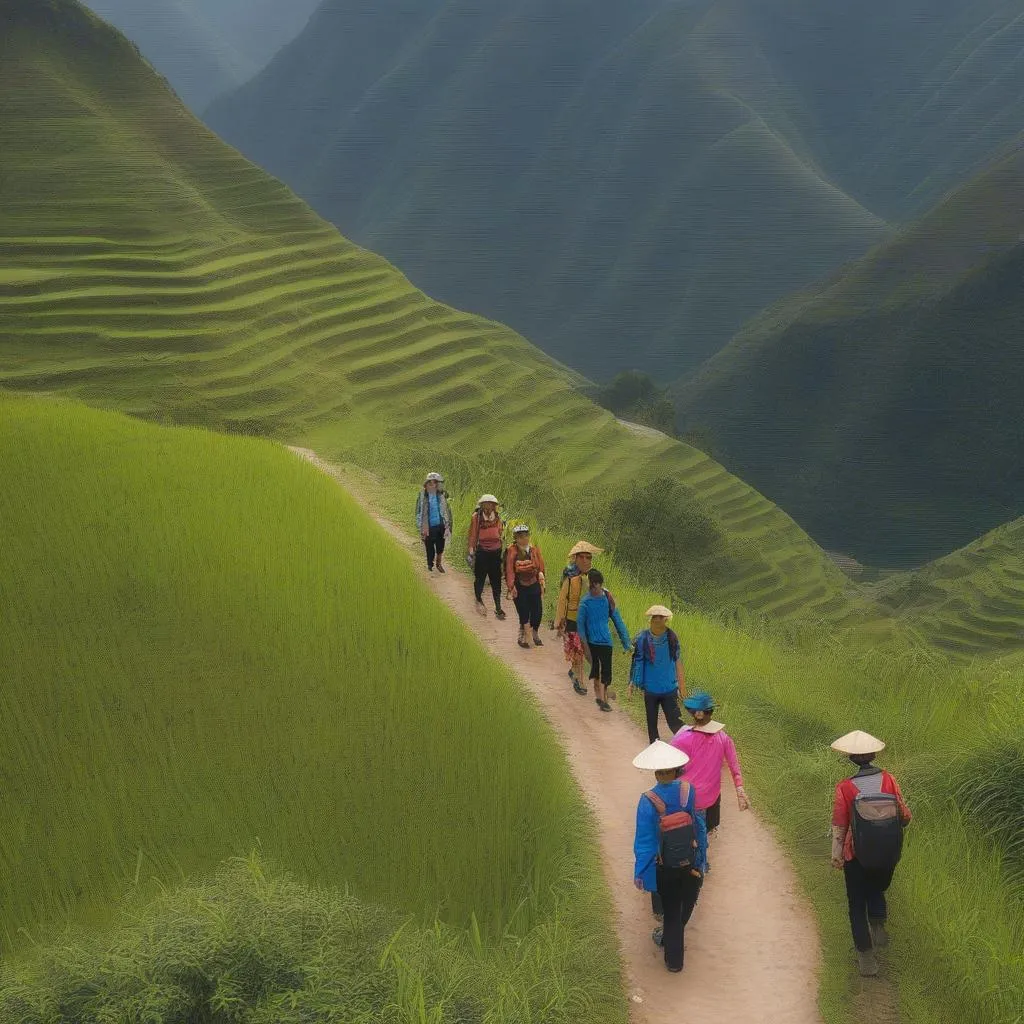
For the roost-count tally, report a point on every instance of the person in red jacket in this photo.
(868, 818)
(486, 539)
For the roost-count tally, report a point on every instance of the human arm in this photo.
(510, 573)
(636, 669)
(563, 605)
(421, 523)
(645, 846)
(680, 675)
(700, 826)
(905, 815)
(582, 625)
(840, 826)
(538, 561)
(620, 628)
(737, 777)
(474, 533)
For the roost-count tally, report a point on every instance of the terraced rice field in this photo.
(149, 268)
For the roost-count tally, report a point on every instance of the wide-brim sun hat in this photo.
(858, 742)
(436, 477)
(485, 498)
(659, 609)
(700, 700)
(584, 548)
(660, 756)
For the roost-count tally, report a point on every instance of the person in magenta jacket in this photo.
(709, 748)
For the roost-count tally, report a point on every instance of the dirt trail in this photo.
(752, 945)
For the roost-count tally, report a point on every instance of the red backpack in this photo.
(677, 839)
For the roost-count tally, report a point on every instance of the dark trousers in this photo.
(434, 542)
(675, 899)
(669, 703)
(865, 894)
(487, 567)
(529, 603)
(601, 663)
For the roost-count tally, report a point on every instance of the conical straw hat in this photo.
(858, 742)
(584, 548)
(660, 756)
(659, 609)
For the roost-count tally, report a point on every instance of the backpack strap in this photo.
(611, 603)
(659, 804)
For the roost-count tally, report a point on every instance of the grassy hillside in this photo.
(148, 267)
(883, 409)
(624, 183)
(201, 658)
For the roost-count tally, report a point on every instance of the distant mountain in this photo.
(206, 47)
(885, 409)
(628, 183)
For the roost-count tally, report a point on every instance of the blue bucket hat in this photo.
(699, 701)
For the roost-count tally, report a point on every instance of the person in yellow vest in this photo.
(574, 586)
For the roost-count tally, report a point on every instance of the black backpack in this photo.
(877, 825)
(677, 838)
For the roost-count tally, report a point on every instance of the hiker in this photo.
(524, 576)
(486, 534)
(573, 586)
(670, 847)
(434, 519)
(595, 609)
(657, 669)
(709, 748)
(869, 815)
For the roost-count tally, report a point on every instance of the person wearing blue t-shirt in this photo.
(658, 671)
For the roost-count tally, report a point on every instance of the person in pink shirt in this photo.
(709, 748)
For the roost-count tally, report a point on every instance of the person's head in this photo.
(488, 505)
(701, 706)
(583, 555)
(433, 483)
(521, 535)
(596, 580)
(663, 759)
(860, 747)
(659, 617)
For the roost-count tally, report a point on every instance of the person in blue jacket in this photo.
(657, 669)
(434, 519)
(674, 891)
(596, 608)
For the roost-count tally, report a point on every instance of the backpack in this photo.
(877, 824)
(677, 833)
(639, 658)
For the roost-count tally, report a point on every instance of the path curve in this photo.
(752, 949)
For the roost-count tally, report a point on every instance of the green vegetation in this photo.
(228, 304)
(635, 397)
(603, 177)
(954, 736)
(882, 409)
(200, 658)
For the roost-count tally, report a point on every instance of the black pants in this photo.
(669, 703)
(676, 897)
(713, 814)
(434, 542)
(601, 663)
(487, 567)
(865, 894)
(529, 603)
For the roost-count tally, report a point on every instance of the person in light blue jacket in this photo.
(434, 519)
(674, 890)
(596, 608)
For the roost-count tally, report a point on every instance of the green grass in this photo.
(954, 736)
(226, 303)
(207, 649)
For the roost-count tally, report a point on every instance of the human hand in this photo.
(630, 689)
(639, 883)
(741, 799)
(560, 626)
(513, 593)
(837, 863)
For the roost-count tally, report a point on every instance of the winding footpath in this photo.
(752, 945)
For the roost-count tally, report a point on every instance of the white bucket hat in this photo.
(858, 742)
(660, 756)
(436, 477)
(583, 548)
(659, 609)
(484, 498)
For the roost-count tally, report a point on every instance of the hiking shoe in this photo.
(441, 568)
(658, 935)
(480, 609)
(499, 614)
(537, 642)
(673, 970)
(867, 965)
(604, 705)
(581, 690)
(879, 936)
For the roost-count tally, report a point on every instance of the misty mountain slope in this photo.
(884, 409)
(622, 182)
(206, 47)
